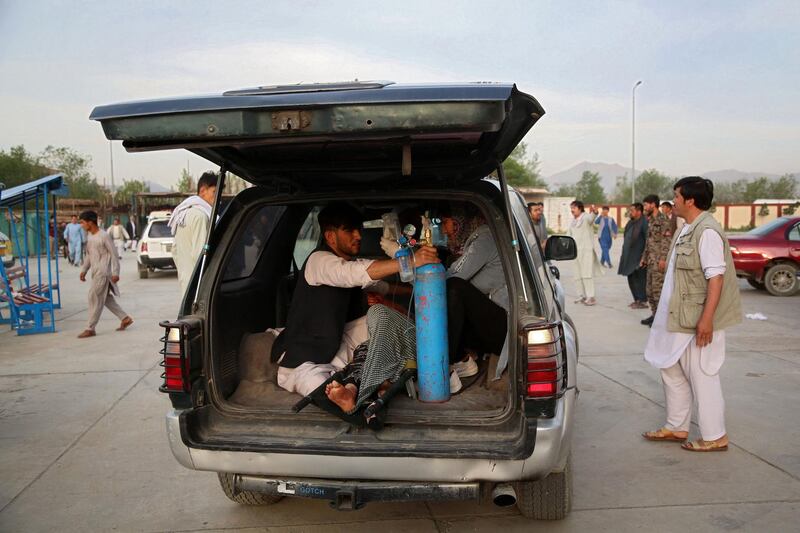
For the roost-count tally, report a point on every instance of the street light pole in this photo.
(633, 141)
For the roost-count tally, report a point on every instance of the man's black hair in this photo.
(638, 206)
(339, 215)
(579, 205)
(651, 199)
(666, 202)
(208, 179)
(532, 204)
(701, 190)
(88, 216)
(605, 207)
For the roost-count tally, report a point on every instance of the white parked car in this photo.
(155, 246)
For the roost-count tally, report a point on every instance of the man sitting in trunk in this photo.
(326, 319)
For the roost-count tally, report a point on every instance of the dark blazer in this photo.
(633, 246)
(134, 235)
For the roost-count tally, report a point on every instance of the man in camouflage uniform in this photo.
(659, 238)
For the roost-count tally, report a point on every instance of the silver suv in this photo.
(379, 146)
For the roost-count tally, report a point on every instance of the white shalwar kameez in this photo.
(101, 258)
(582, 230)
(687, 370)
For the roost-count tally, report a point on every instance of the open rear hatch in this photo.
(328, 135)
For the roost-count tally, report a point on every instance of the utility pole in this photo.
(111, 153)
(633, 141)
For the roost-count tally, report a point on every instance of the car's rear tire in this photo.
(757, 284)
(781, 279)
(143, 272)
(549, 498)
(245, 497)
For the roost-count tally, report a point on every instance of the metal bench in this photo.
(28, 308)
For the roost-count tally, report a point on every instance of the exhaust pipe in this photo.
(504, 495)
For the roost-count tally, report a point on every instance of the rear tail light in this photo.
(175, 360)
(144, 246)
(545, 375)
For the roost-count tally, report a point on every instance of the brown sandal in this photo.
(664, 434)
(127, 321)
(701, 445)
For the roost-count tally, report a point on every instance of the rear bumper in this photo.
(549, 454)
(156, 262)
(351, 495)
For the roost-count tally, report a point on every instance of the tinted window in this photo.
(529, 245)
(159, 230)
(307, 239)
(250, 241)
(794, 233)
(768, 227)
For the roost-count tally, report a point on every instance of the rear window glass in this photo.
(159, 230)
(307, 238)
(251, 240)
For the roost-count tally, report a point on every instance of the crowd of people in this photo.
(676, 258)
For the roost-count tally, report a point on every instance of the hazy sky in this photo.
(721, 80)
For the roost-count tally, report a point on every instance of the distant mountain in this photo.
(156, 187)
(610, 171)
(607, 171)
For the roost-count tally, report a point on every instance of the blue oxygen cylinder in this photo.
(430, 303)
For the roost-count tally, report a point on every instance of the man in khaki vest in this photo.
(699, 299)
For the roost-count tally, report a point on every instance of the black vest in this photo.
(316, 321)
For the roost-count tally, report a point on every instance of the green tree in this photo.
(652, 181)
(76, 168)
(589, 189)
(565, 190)
(784, 187)
(522, 170)
(622, 191)
(17, 166)
(186, 182)
(729, 192)
(124, 194)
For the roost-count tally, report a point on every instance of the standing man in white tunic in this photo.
(582, 230)
(119, 235)
(699, 299)
(101, 258)
(189, 225)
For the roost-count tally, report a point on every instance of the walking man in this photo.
(687, 342)
(73, 234)
(659, 237)
(189, 225)
(607, 232)
(630, 263)
(582, 230)
(133, 231)
(102, 260)
(119, 236)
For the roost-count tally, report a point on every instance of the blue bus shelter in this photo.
(31, 300)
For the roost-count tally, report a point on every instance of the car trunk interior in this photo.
(253, 293)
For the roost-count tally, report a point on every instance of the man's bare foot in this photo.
(342, 395)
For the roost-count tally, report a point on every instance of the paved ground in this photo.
(82, 445)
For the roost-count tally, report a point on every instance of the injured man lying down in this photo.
(330, 345)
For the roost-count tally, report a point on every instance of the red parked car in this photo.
(769, 256)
